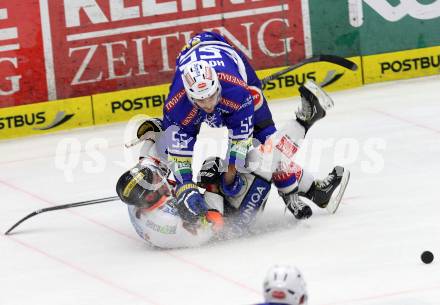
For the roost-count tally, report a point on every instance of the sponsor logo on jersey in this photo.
(232, 79)
(287, 147)
(231, 104)
(161, 229)
(172, 102)
(254, 198)
(213, 120)
(191, 115)
(257, 96)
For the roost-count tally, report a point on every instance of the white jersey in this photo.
(164, 228)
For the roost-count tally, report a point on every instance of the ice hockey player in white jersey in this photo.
(153, 211)
(284, 285)
(155, 214)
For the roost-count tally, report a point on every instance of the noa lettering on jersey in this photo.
(252, 202)
(410, 64)
(138, 103)
(22, 120)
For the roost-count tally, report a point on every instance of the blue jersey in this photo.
(235, 110)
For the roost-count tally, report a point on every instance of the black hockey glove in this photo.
(148, 129)
(211, 171)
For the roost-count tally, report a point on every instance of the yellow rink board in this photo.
(119, 106)
(287, 85)
(47, 117)
(401, 65)
(122, 105)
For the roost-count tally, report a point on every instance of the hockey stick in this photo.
(61, 207)
(337, 60)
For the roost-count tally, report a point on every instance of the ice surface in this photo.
(368, 253)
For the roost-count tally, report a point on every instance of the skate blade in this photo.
(333, 205)
(324, 99)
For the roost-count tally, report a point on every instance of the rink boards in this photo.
(119, 106)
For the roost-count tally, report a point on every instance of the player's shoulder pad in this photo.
(235, 98)
(229, 78)
(178, 108)
(177, 95)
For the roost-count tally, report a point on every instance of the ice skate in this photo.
(295, 205)
(322, 191)
(314, 103)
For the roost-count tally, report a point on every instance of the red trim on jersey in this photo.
(232, 79)
(191, 115)
(174, 100)
(230, 104)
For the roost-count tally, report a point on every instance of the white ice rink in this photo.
(368, 253)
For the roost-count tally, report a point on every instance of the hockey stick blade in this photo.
(333, 205)
(61, 207)
(337, 60)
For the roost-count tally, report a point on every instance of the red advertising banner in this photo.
(22, 61)
(60, 49)
(107, 45)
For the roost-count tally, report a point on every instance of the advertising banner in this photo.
(365, 27)
(330, 76)
(108, 45)
(42, 118)
(123, 105)
(401, 65)
(22, 62)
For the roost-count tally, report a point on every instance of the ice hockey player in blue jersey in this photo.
(284, 285)
(212, 85)
(215, 84)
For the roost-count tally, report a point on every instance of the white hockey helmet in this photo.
(285, 285)
(200, 81)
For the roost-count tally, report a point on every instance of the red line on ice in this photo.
(176, 257)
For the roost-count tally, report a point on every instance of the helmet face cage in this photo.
(200, 81)
(145, 184)
(285, 285)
